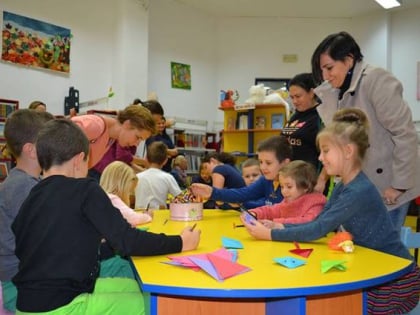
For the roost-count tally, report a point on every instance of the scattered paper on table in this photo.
(231, 243)
(327, 265)
(290, 262)
(304, 252)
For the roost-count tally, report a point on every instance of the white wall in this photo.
(129, 47)
(180, 34)
(405, 54)
(106, 34)
(254, 47)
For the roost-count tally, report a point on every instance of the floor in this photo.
(410, 221)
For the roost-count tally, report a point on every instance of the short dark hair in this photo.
(154, 107)
(157, 152)
(223, 157)
(338, 46)
(279, 145)
(22, 127)
(304, 80)
(59, 141)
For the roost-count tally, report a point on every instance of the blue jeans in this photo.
(398, 215)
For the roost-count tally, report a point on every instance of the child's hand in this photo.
(257, 229)
(267, 223)
(201, 190)
(190, 239)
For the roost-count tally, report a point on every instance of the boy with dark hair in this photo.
(20, 131)
(59, 230)
(154, 184)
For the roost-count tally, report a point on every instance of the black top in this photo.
(58, 235)
(301, 130)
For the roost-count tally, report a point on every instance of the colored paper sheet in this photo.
(304, 252)
(327, 265)
(225, 268)
(290, 262)
(207, 266)
(231, 243)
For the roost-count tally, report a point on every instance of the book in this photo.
(242, 121)
(231, 123)
(277, 121)
(260, 122)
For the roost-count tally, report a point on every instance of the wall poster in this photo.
(35, 43)
(180, 76)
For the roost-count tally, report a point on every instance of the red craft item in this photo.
(304, 252)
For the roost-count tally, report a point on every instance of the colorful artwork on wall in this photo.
(180, 76)
(34, 43)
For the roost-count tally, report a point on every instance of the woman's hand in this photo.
(391, 195)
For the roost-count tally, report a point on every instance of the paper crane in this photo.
(329, 264)
(290, 262)
(300, 251)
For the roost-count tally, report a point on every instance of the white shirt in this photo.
(153, 187)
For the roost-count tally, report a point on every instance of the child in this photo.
(356, 206)
(224, 174)
(300, 204)
(119, 182)
(179, 170)
(250, 171)
(59, 229)
(273, 153)
(154, 184)
(20, 130)
(203, 177)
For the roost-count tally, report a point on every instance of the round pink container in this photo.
(186, 211)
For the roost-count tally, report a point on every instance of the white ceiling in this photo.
(292, 8)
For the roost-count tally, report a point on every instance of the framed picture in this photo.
(277, 121)
(4, 170)
(180, 76)
(7, 107)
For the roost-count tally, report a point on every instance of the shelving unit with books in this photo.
(190, 138)
(263, 121)
(6, 162)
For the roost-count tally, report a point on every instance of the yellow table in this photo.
(269, 288)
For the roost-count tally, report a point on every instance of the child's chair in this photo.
(408, 237)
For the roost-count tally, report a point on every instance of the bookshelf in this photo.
(262, 122)
(6, 161)
(191, 138)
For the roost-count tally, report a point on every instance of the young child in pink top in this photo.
(300, 204)
(119, 182)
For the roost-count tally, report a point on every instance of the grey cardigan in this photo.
(393, 158)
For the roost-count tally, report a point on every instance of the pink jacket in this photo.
(304, 209)
(132, 217)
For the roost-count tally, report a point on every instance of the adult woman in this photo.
(132, 124)
(303, 126)
(392, 162)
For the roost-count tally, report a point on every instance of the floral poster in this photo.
(181, 76)
(35, 43)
